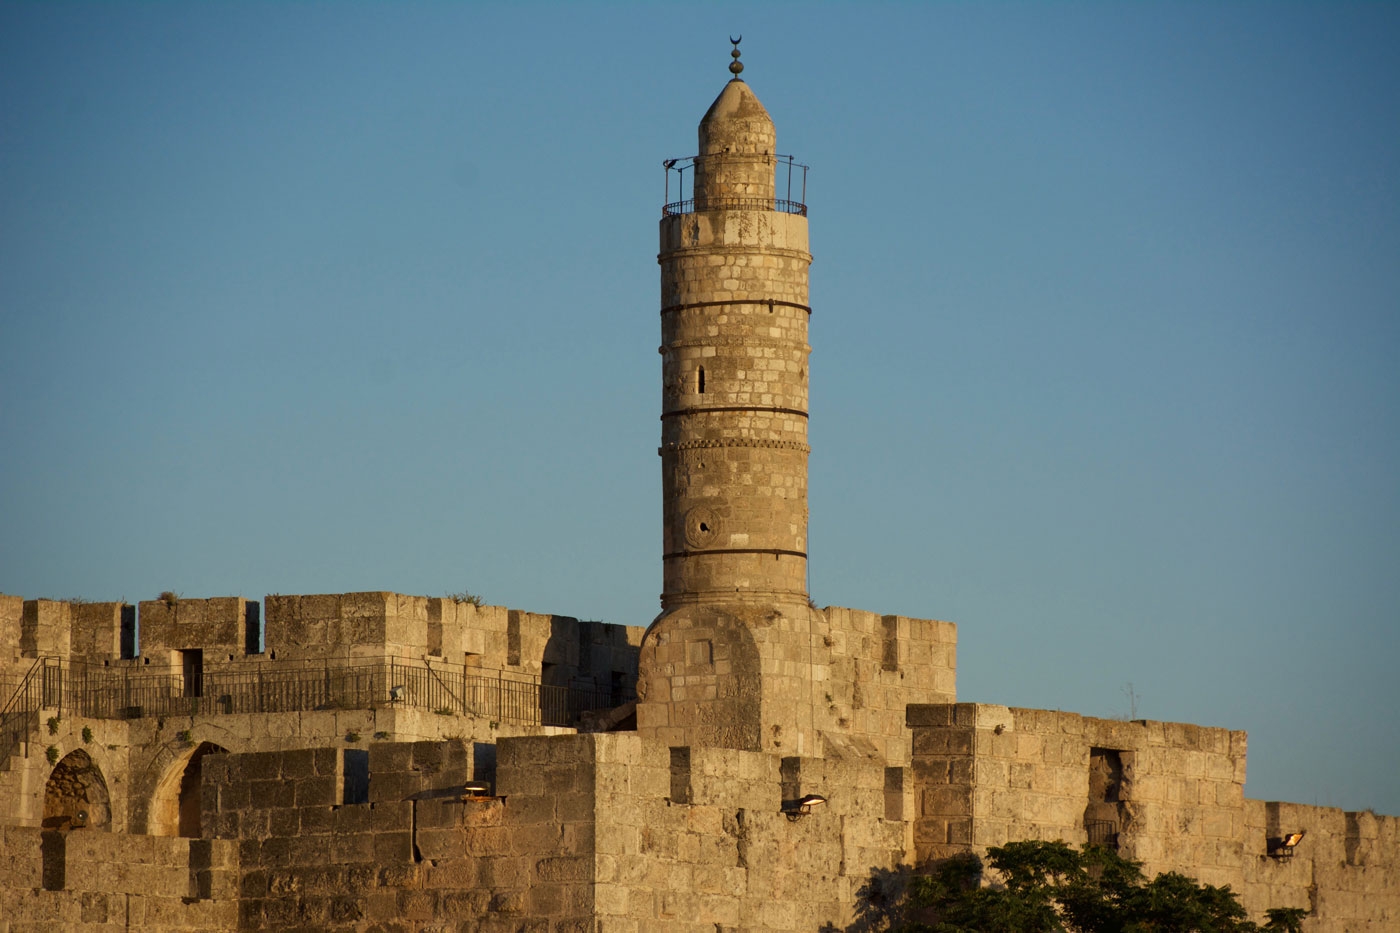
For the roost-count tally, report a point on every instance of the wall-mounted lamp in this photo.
(793, 809)
(396, 694)
(475, 789)
(1283, 846)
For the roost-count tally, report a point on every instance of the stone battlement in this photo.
(234, 629)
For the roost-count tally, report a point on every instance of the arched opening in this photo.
(175, 805)
(75, 796)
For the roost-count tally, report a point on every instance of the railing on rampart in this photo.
(277, 687)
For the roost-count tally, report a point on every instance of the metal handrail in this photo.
(15, 724)
(733, 204)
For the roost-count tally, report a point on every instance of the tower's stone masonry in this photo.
(384, 763)
(734, 373)
(737, 658)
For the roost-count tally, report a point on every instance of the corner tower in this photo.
(733, 656)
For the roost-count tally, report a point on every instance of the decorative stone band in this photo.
(775, 551)
(734, 442)
(770, 302)
(679, 412)
(732, 341)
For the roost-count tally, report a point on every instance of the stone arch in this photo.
(76, 796)
(175, 802)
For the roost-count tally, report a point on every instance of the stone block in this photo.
(941, 742)
(487, 841)
(284, 821)
(267, 795)
(316, 820)
(394, 786)
(318, 791)
(389, 757)
(352, 848)
(298, 763)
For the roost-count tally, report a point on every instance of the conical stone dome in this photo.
(737, 122)
(737, 142)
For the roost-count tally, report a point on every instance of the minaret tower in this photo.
(731, 659)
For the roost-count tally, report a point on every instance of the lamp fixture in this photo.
(473, 789)
(396, 693)
(1283, 846)
(795, 809)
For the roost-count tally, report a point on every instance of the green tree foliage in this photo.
(1048, 887)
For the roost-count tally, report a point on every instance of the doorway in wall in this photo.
(192, 671)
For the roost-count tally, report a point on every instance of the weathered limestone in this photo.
(377, 762)
(1170, 795)
(734, 373)
(101, 881)
(737, 657)
(584, 832)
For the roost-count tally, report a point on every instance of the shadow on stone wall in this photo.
(879, 901)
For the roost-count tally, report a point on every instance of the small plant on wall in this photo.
(87, 735)
(51, 753)
(53, 724)
(169, 597)
(466, 596)
(185, 736)
(352, 736)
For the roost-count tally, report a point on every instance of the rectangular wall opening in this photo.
(513, 637)
(1103, 813)
(252, 627)
(354, 776)
(680, 774)
(192, 672)
(889, 655)
(128, 632)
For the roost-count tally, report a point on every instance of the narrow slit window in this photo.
(700, 382)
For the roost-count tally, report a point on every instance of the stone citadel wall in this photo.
(381, 762)
(357, 818)
(314, 628)
(613, 832)
(1170, 795)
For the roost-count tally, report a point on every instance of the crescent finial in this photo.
(736, 66)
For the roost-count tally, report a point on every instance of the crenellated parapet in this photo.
(199, 636)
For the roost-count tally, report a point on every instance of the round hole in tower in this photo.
(701, 527)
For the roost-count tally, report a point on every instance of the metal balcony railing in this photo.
(785, 205)
(734, 204)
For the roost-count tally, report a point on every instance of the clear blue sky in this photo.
(318, 297)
